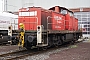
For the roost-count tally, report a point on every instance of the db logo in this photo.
(57, 18)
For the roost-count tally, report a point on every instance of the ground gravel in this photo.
(7, 49)
(45, 55)
(79, 51)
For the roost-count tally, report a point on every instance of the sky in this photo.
(17, 4)
(1, 5)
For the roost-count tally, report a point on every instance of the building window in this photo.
(79, 16)
(88, 29)
(88, 22)
(88, 25)
(84, 19)
(84, 22)
(89, 15)
(85, 25)
(80, 22)
(88, 32)
(84, 15)
(88, 19)
(84, 32)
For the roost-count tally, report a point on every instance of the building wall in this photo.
(11, 5)
(83, 16)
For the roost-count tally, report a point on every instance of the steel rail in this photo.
(11, 53)
(24, 55)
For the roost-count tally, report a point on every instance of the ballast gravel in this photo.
(80, 51)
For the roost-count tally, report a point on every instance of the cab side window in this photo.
(64, 12)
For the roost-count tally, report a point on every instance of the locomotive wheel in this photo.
(49, 42)
(60, 42)
(56, 45)
(44, 48)
(39, 48)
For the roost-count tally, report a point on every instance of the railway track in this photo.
(19, 54)
(9, 55)
(23, 56)
(25, 53)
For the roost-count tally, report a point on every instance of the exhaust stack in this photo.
(56, 8)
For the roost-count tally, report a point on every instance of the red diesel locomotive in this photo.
(45, 28)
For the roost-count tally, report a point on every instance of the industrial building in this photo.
(83, 15)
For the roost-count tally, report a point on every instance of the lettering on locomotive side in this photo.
(57, 17)
(57, 27)
(32, 13)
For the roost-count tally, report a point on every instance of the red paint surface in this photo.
(30, 22)
(54, 20)
(68, 22)
(58, 21)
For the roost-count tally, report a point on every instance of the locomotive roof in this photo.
(61, 8)
(35, 7)
(52, 8)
